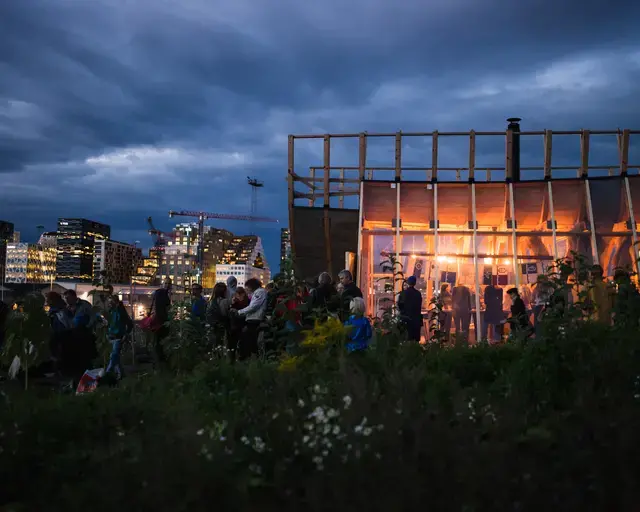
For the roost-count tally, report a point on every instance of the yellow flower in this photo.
(289, 363)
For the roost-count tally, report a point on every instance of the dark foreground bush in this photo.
(549, 425)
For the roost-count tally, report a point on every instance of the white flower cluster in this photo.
(215, 432)
(477, 414)
(323, 433)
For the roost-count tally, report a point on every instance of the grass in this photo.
(550, 424)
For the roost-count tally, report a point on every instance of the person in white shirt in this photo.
(254, 315)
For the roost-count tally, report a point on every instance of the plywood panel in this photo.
(569, 202)
(531, 206)
(609, 202)
(454, 205)
(308, 245)
(379, 202)
(490, 204)
(416, 203)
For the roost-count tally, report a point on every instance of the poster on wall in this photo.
(448, 277)
(530, 272)
(503, 275)
(487, 275)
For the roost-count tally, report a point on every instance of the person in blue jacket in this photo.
(120, 326)
(361, 332)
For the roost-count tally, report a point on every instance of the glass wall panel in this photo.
(532, 209)
(378, 205)
(615, 252)
(377, 282)
(609, 203)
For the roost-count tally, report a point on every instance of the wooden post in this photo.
(327, 204)
(434, 156)
(312, 199)
(291, 185)
(548, 141)
(341, 189)
(398, 156)
(362, 155)
(623, 149)
(478, 320)
(472, 155)
(584, 153)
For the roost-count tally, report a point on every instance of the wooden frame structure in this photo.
(320, 186)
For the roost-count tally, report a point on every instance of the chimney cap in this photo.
(514, 120)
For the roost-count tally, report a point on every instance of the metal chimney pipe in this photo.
(514, 127)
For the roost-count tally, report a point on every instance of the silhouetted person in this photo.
(410, 306)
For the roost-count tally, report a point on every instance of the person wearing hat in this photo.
(410, 307)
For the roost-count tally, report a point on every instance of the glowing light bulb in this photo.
(441, 259)
(488, 261)
(507, 262)
(413, 256)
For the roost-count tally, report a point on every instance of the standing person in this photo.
(232, 286)
(493, 314)
(461, 302)
(160, 305)
(351, 291)
(82, 347)
(120, 326)
(61, 324)
(101, 299)
(322, 295)
(541, 297)
(4, 315)
(218, 314)
(253, 315)
(198, 303)
(239, 301)
(519, 320)
(410, 306)
(361, 332)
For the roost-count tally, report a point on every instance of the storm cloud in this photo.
(118, 110)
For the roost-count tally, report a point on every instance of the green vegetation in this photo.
(527, 425)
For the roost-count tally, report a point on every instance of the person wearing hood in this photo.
(410, 307)
(232, 286)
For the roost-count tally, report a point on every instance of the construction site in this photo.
(469, 225)
(196, 253)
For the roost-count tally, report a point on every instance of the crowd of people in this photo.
(236, 317)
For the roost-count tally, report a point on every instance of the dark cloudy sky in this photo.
(119, 109)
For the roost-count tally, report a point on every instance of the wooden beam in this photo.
(398, 156)
(584, 154)
(327, 204)
(362, 156)
(434, 157)
(312, 185)
(341, 187)
(472, 155)
(291, 192)
(623, 148)
(548, 141)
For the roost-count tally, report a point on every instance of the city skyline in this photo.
(116, 112)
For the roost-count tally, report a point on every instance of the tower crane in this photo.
(202, 216)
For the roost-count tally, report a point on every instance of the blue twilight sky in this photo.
(116, 110)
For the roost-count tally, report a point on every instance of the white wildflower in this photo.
(367, 431)
(200, 432)
(347, 401)
(336, 430)
(300, 402)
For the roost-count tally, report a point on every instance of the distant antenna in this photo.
(255, 186)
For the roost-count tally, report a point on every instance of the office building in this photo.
(76, 246)
(6, 236)
(30, 263)
(48, 239)
(285, 245)
(115, 262)
(244, 259)
(180, 258)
